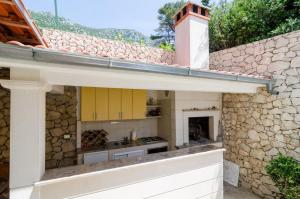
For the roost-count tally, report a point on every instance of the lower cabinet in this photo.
(95, 157)
(122, 155)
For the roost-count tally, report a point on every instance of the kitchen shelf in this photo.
(153, 117)
(153, 106)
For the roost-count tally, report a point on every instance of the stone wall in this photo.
(61, 121)
(257, 127)
(84, 44)
(4, 118)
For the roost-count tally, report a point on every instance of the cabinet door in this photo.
(126, 104)
(115, 96)
(91, 158)
(139, 99)
(138, 153)
(87, 104)
(101, 104)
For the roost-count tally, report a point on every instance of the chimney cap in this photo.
(191, 8)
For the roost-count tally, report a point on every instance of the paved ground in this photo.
(231, 192)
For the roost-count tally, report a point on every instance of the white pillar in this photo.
(27, 132)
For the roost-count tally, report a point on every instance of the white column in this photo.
(27, 132)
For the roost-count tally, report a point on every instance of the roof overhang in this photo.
(62, 68)
(17, 25)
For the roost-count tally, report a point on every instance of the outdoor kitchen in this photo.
(126, 133)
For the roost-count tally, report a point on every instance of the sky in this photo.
(140, 15)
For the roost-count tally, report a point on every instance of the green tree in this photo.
(285, 172)
(205, 2)
(165, 31)
(243, 21)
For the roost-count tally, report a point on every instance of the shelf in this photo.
(153, 106)
(153, 117)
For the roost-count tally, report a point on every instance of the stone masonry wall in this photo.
(4, 118)
(257, 127)
(84, 44)
(61, 120)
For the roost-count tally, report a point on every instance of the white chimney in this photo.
(191, 36)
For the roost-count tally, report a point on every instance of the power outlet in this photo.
(67, 136)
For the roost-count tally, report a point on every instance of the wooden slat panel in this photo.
(114, 104)
(101, 104)
(3, 11)
(2, 37)
(16, 30)
(23, 40)
(126, 104)
(17, 12)
(87, 104)
(139, 98)
(7, 2)
(13, 23)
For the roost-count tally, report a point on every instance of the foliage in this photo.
(243, 21)
(205, 2)
(47, 20)
(167, 46)
(165, 31)
(285, 172)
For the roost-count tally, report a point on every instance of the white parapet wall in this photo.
(190, 176)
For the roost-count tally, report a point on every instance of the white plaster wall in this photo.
(199, 43)
(182, 43)
(189, 100)
(166, 100)
(192, 176)
(192, 43)
(117, 130)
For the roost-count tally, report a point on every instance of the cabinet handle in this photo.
(95, 115)
(119, 115)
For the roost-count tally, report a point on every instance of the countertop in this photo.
(83, 169)
(112, 146)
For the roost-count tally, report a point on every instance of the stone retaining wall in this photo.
(257, 127)
(85, 44)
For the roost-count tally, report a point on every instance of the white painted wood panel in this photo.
(90, 158)
(142, 180)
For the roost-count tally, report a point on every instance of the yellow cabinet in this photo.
(101, 104)
(139, 101)
(126, 107)
(87, 104)
(115, 96)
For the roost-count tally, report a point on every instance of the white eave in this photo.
(61, 68)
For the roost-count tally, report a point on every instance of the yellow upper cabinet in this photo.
(126, 104)
(101, 104)
(87, 104)
(115, 96)
(139, 99)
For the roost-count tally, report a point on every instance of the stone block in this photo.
(295, 62)
(56, 132)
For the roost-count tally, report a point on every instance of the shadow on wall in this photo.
(202, 52)
(61, 120)
(4, 118)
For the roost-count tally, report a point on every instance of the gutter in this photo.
(57, 57)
